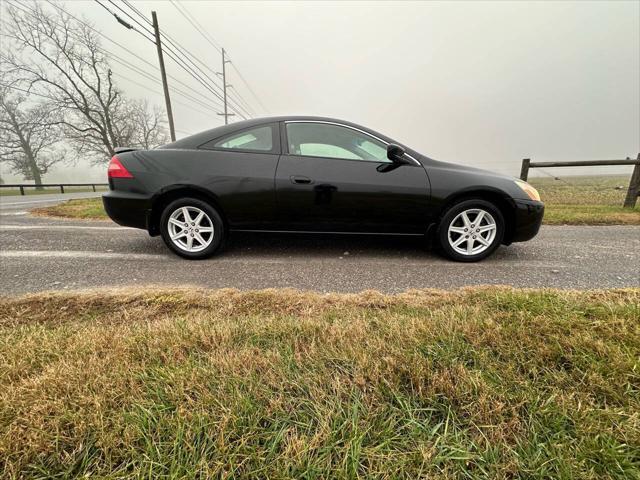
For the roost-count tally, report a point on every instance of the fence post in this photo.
(21, 190)
(524, 171)
(634, 186)
(94, 187)
(61, 188)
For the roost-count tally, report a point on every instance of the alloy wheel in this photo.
(190, 229)
(472, 231)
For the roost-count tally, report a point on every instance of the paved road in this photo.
(42, 254)
(19, 204)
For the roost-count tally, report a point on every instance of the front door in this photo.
(337, 178)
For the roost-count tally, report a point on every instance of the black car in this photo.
(313, 175)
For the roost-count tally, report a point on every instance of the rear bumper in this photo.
(528, 218)
(128, 209)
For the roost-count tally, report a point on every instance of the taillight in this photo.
(117, 170)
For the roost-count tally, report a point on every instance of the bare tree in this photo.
(61, 58)
(149, 128)
(29, 136)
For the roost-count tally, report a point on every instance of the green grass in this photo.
(573, 201)
(85, 208)
(586, 200)
(46, 191)
(562, 214)
(475, 383)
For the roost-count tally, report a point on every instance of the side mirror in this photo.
(395, 153)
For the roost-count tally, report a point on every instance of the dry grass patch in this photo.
(84, 208)
(281, 384)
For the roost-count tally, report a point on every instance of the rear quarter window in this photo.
(257, 139)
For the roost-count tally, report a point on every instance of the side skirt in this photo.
(330, 233)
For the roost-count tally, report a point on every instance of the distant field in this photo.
(45, 191)
(475, 383)
(572, 201)
(582, 190)
(586, 200)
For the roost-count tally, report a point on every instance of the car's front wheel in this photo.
(471, 230)
(192, 228)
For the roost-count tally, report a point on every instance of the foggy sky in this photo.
(479, 83)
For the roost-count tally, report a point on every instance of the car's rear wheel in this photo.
(471, 230)
(192, 228)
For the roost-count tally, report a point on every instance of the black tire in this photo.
(219, 231)
(452, 212)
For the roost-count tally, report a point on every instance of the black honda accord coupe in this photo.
(313, 175)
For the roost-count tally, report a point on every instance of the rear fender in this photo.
(170, 193)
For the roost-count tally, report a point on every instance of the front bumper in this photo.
(528, 218)
(128, 209)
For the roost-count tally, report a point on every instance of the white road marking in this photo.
(60, 227)
(13, 214)
(94, 255)
(77, 254)
(51, 200)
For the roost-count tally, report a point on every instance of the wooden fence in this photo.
(634, 184)
(22, 186)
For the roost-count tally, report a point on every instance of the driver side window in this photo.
(333, 141)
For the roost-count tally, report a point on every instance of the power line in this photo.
(248, 87)
(130, 66)
(146, 87)
(120, 20)
(123, 47)
(207, 82)
(242, 101)
(137, 70)
(182, 9)
(123, 62)
(114, 42)
(196, 25)
(185, 13)
(202, 82)
(101, 34)
(171, 53)
(168, 51)
(136, 21)
(182, 51)
(52, 98)
(214, 107)
(27, 91)
(166, 36)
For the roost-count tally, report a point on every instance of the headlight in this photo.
(529, 190)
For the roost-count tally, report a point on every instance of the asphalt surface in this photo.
(38, 254)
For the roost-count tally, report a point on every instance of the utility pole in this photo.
(226, 115)
(165, 86)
